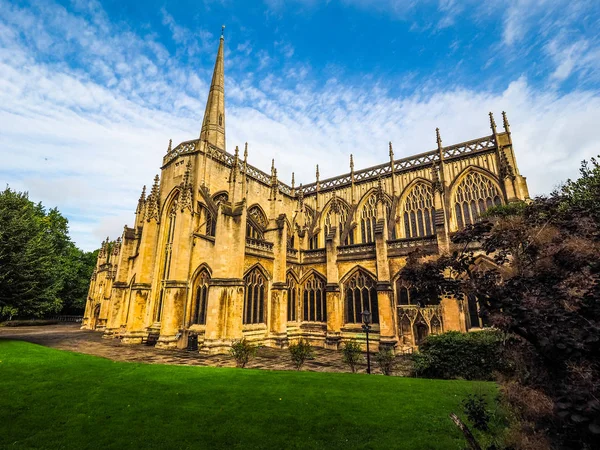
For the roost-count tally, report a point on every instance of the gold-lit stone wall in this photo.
(220, 250)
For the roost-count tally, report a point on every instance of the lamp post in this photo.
(366, 317)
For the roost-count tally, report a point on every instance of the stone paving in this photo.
(70, 337)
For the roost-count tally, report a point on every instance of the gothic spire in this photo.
(505, 122)
(141, 201)
(213, 126)
(153, 200)
(492, 123)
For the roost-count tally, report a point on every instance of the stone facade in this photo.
(221, 250)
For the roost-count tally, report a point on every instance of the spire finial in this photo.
(237, 152)
(170, 144)
(143, 196)
(379, 193)
(391, 152)
(317, 172)
(492, 122)
(505, 122)
(351, 163)
(438, 138)
(246, 152)
(222, 31)
(293, 181)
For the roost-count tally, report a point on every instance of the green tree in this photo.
(41, 270)
(543, 286)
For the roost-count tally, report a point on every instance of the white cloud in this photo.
(86, 137)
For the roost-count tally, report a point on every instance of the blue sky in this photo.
(91, 92)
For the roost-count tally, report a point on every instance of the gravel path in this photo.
(70, 337)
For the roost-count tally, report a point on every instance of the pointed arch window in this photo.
(166, 266)
(404, 293)
(209, 219)
(293, 291)
(342, 218)
(201, 298)
(476, 319)
(475, 194)
(419, 213)
(361, 294)
(368, 219)
(256, 223)
(254, 298)
(314, 302)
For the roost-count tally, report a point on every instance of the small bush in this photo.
(472, 356)
(301, 352)
(242, 351)
(476, 411)
(386, 360)
(352, 355)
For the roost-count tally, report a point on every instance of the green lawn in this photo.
(56, 399)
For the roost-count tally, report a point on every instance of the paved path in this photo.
(70, 337)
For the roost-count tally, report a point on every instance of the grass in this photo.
(57, 399)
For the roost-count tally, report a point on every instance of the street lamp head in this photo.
(366, 317)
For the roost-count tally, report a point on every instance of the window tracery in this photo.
(255, 223)
(254, 298)
(361, 295)
(293, 291)
(314, 305)
(368, 219)
(342, 218)
(419, 212)
(201, 300)
(166, 266)
(475, 194)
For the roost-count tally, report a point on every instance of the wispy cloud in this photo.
(87, 107)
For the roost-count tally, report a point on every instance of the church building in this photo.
(221, 250)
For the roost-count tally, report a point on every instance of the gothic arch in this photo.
(255, 295)
(200, 287)
(168, 203)
(366, 214)
(260, 267)
(359, 293)
(256, 222)
(366, 195)
(459, 178)
(473, 192)
(417, 210)
(411, 185)
(314, 299)
(258, 215)
(201, 267)
(293, 297)
(327, 205)
(327, 217)
(355, 269)
(220, 196)
(293, 274)
(312, 272)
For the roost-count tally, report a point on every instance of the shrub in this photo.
(301, 352)
(352, 355)
(242, 351)
(386, 361)
(472, 356)
(476, 410)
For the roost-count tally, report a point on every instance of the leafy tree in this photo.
(541, 283)
(40, 268)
